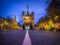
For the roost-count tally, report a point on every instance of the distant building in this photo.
(1, 22)
(6, 24)
(14, 24)
(28, 19)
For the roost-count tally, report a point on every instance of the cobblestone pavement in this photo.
(44, 37)
(10, 37)
(16, 37)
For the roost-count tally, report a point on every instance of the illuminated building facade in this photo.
(9, 25)
(46, 23)
(15, 25)
(28, 20)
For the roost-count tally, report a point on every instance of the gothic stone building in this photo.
(28, 20)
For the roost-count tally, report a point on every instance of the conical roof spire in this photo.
(27, 9)
(15, 18)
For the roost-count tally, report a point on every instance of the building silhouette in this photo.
(28, 19)
(9, 24)
(15, 25)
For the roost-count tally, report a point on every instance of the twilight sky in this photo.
(15, 7)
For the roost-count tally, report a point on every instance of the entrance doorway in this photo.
(27, 27)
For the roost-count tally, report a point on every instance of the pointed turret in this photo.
(32, 13)
(23, 13)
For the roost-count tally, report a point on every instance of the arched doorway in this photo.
(27, 27)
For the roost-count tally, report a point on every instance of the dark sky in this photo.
(15, 7)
